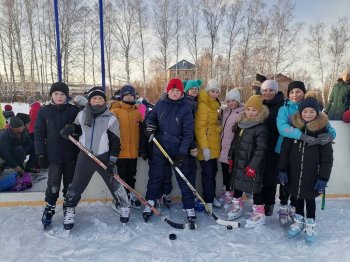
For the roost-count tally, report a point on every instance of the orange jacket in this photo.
(129, 120)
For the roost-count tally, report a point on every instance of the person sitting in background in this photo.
(15, 145)
(8, 112)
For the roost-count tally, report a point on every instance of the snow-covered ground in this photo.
(99, 236)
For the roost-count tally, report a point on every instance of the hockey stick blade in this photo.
(234, 224)
(121, 181)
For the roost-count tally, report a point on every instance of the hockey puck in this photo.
(229, 227)
(172, 236)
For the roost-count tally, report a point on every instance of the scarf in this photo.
(92, 112)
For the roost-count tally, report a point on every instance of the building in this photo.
(183, 70)
(282, 80)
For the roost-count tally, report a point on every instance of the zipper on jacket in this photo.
(92, 134)
(301, 167)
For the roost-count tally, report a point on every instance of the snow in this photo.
(98, 235)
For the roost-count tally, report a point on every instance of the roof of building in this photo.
(182, 65)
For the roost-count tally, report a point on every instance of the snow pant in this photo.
(285, 195)
(57, 171)
(84, 170)
(127, 170)
(209, 170)
(193, 170)
(269, 194)
(33, 158)
(226, 179)
(159, 171)
(310, 207)
(167, 185)
(257, 197)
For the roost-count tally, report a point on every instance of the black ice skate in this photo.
(49, 211)
(166, 201)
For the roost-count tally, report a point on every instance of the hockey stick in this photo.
(117, 177)
(178, 171)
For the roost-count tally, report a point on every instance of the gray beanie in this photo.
(16, 122)
(269, 84)
(213, 84)
(234, 94)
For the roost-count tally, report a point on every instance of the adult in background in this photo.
(8, 113)
(2, 120)
(273, 99)
(339, 99)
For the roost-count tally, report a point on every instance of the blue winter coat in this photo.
(175, 125)
(48, 141)
(285, 127)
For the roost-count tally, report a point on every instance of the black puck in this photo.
(229, 227)
(172, 236)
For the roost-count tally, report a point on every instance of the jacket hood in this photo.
(319, 123)
(205, 98)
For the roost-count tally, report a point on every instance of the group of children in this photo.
(257, 143)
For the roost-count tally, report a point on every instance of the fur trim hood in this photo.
(260, 118)
(319, 123)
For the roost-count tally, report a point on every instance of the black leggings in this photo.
(284, 196)
(257, 197)
(310, 207)
(227, 181)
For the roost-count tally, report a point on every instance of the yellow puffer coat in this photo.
(207, 128)
(129, 119)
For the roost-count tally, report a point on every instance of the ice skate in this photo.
(166, 201)
(191, 217)
(69, 214)
(216, 202)
(116, 206)
(235, 210)
(227, 200)
(257, 218)
(49, 211)
(135, 202)
(310, 232)
(283, 215)
(291, 213)
(147, 212)
(269, 210)
(295, 228)
(125, 214)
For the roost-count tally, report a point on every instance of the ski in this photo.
(121, 181)
(234, 224)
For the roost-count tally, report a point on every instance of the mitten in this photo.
(230, 165)
(151, 130)
(206, 154)
(325, 138)
(250, 172)
(67, 130)
(283, 177)
(310, 140)
(194, 152)
(178, 161)
(320, 185)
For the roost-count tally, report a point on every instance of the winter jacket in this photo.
(284, 123)
(48, 140)
(174, 122)
(2, 120)
(103, 137)
(130, 121)
(229, 117)
(9, 140)
(248, 149)
(304, 164)
(207, 128)
(339, 101)
(271, 171)
(33, 113)
(192, 102)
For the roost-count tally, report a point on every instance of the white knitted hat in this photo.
(269, 84)
(213, 84)
(234, 94)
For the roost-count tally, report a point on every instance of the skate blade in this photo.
(192, 226)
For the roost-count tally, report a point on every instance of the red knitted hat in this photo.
(175, 83)
(8, 108)
(346, 116)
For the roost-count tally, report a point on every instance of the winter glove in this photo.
(194, 152)
(230, 166)
(310, 140)
(283, 177)
(178, 161)
(43, 161)
(206, 154)
(144, 156)
(325, 138)
(320, 185)
(111, 168)
(250, 172)
(151, 130)
(67, 130)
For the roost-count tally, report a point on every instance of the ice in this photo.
(98, 235)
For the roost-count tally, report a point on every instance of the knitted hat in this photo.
(96, 91)
(309, 102)
(233, 94)
(59, 86)
(175, 83)
(296, 84)
(25, 117)
(80, 101)
(255, 101)
(116, 95)
(8, 107)
(192, 84)
(213, 84)
(269, 84)
(346, 75)
(16, 122)
(346, 116)
(127, 90)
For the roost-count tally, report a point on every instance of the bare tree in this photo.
(213, 14)
(179, 17)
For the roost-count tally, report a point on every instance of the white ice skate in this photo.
(257, 218)
(235, 210)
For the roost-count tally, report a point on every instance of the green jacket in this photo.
(2, 120)
(339, 101)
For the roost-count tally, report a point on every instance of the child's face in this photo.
(129, 98)
(97, 101)
(214, 93)
(193, 92)
(174, 94)
(232, 104)
(58, 97)
(268, 94)
(251, 112)
(296, 95)
(308, 114)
